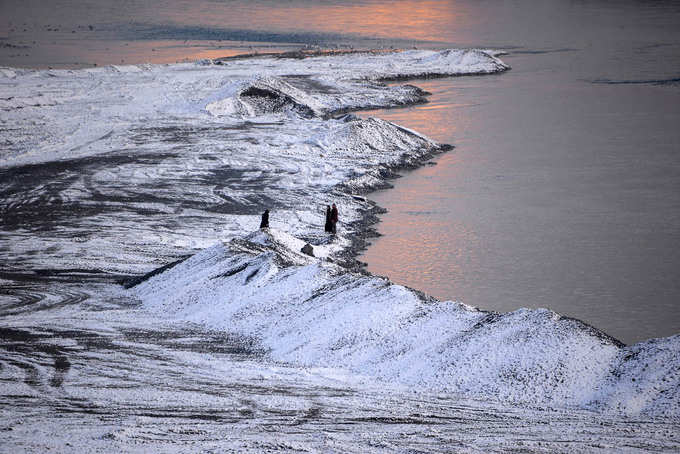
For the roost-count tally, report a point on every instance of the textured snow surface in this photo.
(170, 159)
(118, 170)
(311, 312)
(61, 114)
(110, 379)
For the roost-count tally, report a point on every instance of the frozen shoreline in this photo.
(311, 312)
(277, 123)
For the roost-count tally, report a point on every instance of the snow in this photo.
(140, 166)
(166, 176)
(62, 113)
(313, 313)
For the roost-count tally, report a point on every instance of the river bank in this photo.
(180, 160)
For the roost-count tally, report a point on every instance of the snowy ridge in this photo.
(312, 312)
(264, 96)
(63, 114)
(285, 95)
(174, 158)
(198, 149)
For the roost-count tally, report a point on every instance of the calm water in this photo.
(75, 33)
(564, 188)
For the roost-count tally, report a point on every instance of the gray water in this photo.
(564, 187)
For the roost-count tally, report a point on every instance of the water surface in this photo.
(564, 189)
(81, 33)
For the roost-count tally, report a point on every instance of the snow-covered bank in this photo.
(173, 158)
(119, 170)
(62, 114)
(311, 312)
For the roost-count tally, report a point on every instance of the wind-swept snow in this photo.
(117, 171)
(62, 114)
(310, 312)
(173, 158)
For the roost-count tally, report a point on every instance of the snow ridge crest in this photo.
(312, 312)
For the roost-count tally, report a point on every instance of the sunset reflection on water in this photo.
(167, 31)
(426, 20)
(410, 251)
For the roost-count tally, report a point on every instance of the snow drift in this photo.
(312, 312)
(62, 114)
(174, 158)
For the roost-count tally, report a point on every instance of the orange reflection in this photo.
(426, 20)
(410, 251)
(77, 54)
(59, 37)
(432, 20)
(439, 119)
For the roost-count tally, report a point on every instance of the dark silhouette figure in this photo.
(265, 220)
(334, 219)
(329, 225)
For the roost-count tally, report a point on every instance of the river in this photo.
(563, 190)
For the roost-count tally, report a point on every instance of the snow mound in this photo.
(448, 62)
(63, 114)
(8, 73)
(311, 312)
(262, 96)
(477, 61)
(367, 139)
